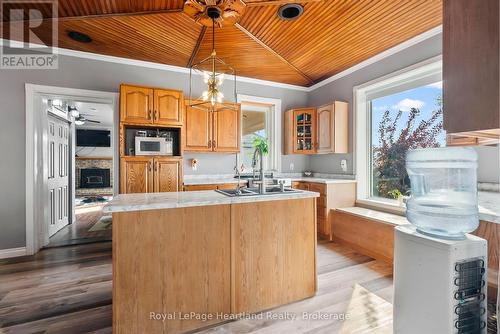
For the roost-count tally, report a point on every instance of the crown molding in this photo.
(126, 61)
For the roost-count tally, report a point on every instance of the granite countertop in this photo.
(321, 180)
(152, 201)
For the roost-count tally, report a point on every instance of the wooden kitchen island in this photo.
(188, 260)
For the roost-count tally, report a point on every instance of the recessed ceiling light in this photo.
(290, 11)
(79, 37)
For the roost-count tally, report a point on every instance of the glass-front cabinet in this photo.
(319, 130)
(304, 123)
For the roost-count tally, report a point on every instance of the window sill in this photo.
(381, 205)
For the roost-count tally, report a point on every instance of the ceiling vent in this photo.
(79, 37)
(290, 12)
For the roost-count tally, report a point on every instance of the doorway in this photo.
(92, 167)
(68, 181)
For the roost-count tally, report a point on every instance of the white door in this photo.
(58, 181)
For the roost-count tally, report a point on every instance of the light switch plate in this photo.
(343, 165)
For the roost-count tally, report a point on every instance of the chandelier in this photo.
(214, 71)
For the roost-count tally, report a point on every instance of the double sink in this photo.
(255, 191)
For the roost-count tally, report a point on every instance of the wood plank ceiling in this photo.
(331, 35)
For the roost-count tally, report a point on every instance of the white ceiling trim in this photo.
(387, 53)
(119, 60)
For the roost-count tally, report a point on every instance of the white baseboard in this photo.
(12, 252)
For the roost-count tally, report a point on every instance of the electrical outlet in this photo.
(292, 166)
(343, 165)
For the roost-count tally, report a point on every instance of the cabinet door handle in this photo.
(149, 114)
(156, 166)
(209, 143)
(155, 116)
(214, 144)
(149, 166)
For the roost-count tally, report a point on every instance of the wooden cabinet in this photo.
(174, 261)
(325, 116)
(136, 104)
(332, 195)
(300, 185)
(300, 131)
(145, 106)
(332, 125)
(317, 131)
(167, 174)
(227, 130)
(471, 66)
(273, 247)
(218, 131)
(150, 174)
(167, 107)
(136, 175)
(197, 130)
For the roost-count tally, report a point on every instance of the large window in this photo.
(255, 125)
(401, 121)
(394, 114)
(261, 119)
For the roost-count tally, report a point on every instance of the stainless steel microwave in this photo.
(153, 146)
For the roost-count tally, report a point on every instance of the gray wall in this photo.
(342, 89)
(488, 164)
(94, 75)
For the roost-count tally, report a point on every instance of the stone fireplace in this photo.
(94, 176)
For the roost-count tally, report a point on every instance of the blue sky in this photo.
(423, 98)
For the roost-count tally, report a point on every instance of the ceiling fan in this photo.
(80, 118)
(231, 10)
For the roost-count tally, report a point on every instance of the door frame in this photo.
(36, 181)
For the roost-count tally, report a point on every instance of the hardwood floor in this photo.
(78, 232)
(68, 290)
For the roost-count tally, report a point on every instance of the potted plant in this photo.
(397, 195)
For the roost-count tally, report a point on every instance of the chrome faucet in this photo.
(238, 174)
(262, 185)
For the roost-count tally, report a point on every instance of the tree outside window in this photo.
(400, 122)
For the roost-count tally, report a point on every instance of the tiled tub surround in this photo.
(84, 163)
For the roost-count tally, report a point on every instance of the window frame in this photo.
(273, 125)
(414, 76)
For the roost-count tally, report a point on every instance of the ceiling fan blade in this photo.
(91, 121)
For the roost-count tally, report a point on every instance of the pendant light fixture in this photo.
(216, 74)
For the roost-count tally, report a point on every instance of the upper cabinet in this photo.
(143, 105)
(218, 131)
(197, 129)
(300, 133)
(332, 124)
(317, 130)
(227, 130)
(167, 107)
(470, 65)
(136, 104)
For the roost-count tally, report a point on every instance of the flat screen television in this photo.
(93, 138)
